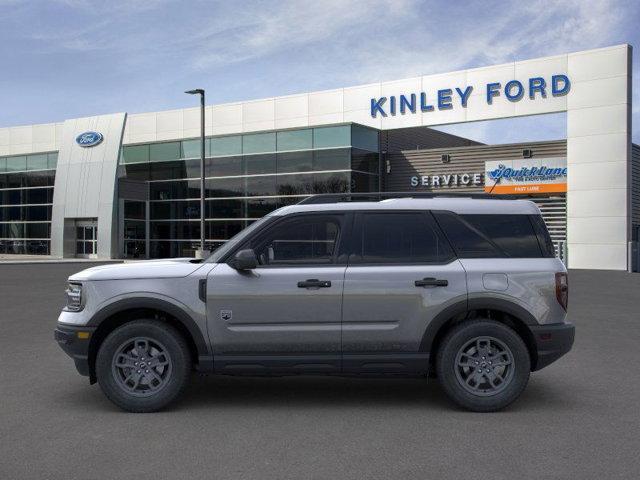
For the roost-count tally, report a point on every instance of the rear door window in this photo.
(397, 238)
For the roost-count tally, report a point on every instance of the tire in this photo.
(139, 383)
(502, 360)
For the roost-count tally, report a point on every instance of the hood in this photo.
(173, 268)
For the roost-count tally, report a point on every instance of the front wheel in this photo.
(483, 365)
(143, 365)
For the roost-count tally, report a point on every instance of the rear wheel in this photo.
(483, 365)
(143, 365)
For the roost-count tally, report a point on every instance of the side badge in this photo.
(226, 315)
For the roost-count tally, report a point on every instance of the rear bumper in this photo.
(74, 345)
(552, 342)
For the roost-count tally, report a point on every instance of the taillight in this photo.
(562, 289)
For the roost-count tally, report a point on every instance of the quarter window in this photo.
(486, 236)
(399, 238)
(467, 241)
(544, 239)
(513, 234)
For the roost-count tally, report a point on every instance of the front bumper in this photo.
(552, 342)
(75, 340)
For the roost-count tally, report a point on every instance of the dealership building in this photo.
(127, 185)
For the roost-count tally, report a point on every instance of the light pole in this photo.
(202, 253)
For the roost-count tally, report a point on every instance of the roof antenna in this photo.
(494, 185)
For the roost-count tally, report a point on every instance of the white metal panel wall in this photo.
(28, 139)
(599, 158)
(85, 185)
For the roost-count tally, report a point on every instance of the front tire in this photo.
(143, 366)
(483, 365)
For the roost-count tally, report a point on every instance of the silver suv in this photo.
(465, 289)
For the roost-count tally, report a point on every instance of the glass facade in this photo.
(247, 176)
(134, 231)
(26, 196)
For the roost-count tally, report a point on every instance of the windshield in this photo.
(236, 240)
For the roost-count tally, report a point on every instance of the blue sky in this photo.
(72, 58)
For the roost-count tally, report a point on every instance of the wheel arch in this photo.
(126, 310)
(503, 311)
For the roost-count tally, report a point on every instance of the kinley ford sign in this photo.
(519, 176)
(445, 99)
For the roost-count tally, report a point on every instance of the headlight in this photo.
(74, 297)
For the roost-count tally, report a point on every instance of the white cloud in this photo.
(289, 25)
(362, 40)
(486, 37)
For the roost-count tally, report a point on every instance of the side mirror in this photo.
(244, 260)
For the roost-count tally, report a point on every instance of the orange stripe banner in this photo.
(529, 188)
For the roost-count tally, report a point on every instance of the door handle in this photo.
(314, 283)
(431, 282)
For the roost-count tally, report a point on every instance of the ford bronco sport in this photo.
(465, 289)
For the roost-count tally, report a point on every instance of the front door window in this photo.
(302, 241)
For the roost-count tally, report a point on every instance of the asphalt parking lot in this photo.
(579, 418)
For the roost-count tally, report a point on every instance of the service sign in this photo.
(526, 175)
(448, 180)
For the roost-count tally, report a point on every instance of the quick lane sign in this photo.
(531, 175)
(446, 99)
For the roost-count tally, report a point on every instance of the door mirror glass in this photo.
(244, 260)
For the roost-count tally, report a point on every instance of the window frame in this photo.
(495, 238)
(356, 232)
(542, 234)
(502, 253)
(339, 258)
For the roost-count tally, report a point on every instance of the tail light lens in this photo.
(562, 289)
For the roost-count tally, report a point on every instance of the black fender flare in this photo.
(186, 320)
(453, 310)
(503, 305)
(465, 306)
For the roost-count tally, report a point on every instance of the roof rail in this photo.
(379, 196)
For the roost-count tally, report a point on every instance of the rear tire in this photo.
(143, 366)
(483, 365)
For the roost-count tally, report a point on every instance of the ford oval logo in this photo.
(89, 139)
